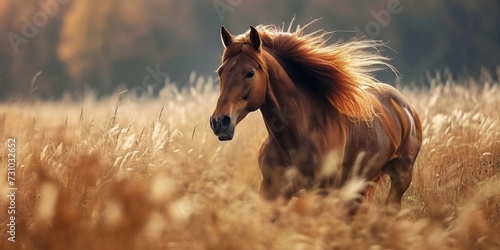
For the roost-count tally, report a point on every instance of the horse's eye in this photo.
(250, 74)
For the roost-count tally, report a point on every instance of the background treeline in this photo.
(104, 44)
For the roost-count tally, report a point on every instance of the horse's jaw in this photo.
(226, 135)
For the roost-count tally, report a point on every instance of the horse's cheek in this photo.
(256, 99)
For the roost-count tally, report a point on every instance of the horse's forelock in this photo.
(247, 49)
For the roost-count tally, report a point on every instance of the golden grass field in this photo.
(122, 173)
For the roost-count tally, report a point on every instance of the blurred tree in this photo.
(31, 31)
(105, 43)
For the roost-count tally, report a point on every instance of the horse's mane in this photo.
(341, 71)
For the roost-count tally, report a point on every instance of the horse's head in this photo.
(243, 82)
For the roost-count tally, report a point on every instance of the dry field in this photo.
(123, 173)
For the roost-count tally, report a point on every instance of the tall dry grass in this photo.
(123, 173)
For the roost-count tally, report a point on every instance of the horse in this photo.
(316, 98)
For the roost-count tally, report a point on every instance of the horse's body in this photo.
(313, 109)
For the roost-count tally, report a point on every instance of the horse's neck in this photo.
(289, 113)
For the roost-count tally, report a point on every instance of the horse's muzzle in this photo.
(222, 127)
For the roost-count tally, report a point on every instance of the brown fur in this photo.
(312, 97)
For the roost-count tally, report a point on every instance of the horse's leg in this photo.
(272, 194)
(400, 171)
(271, 202)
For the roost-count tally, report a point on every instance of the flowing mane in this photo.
(341, 71)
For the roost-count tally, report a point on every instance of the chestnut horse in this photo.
(316, 98)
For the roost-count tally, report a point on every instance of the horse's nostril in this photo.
(220, 124)
(225, 121)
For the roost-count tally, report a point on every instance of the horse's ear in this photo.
(225, 36)
(255, 39)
